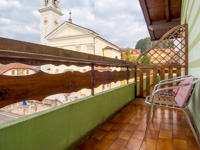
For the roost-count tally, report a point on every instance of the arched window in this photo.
(56, 3)
(116, 57)
(46, 2)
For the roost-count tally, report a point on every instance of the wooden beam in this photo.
(29, 51)
(164, 25)
(145, 11)
(167, 10)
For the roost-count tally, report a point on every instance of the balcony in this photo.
(112, 119)
(169, 130)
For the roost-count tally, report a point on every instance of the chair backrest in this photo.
(183, 94)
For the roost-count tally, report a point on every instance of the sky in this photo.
(120, 22)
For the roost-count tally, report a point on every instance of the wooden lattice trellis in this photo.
(169, 50)
(166, 59)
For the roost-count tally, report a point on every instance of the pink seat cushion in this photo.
(177, 89)
(184, 93)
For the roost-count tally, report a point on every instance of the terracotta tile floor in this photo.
(125, 131)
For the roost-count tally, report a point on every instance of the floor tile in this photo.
(142, 126)
(125, 135)
(87, 144)
(102, 144)
(192, 142)
(112, 134)
(165, 134)
(149, 144)
(152, 135)
(130, 127)
(99, 134)
(167, 127)
(107, 126)
(179, 144)
(179, 135)
(138, 134)
(134, 144)
(118, 144)
(155, 127)
(164, 144)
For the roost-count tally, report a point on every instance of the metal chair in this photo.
(165, 97)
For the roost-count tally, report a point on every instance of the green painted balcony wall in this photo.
(60, 127)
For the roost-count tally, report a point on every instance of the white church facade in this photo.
(70, 36)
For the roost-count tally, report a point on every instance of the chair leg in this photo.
(153, 110)
(191, 126)
(148, 121)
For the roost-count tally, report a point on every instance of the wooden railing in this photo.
(167, 58)
(40, 85)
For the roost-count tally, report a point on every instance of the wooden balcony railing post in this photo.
(93, 78)
(135, 78)
(127, 69)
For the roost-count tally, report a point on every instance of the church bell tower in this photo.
(50, 17)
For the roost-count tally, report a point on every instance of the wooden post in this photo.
(170, 75)
(93, 78)
(148, 82)
(155, 77)
(127, 69)
(135, 81)
(141, 83)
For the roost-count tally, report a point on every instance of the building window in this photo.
(46, 2)
(116, 57)
(27, 71)
(78, 47)
(90, 46)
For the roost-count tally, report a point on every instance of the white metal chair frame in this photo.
(157, 89)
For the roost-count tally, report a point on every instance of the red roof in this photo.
(5, 68)
(108, 47)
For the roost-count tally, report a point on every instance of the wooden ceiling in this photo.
(161, 16)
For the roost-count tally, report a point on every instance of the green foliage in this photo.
(128, 57)
(145, 59)
(146, 43)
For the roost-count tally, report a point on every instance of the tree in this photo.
(128, 57)
(146, 43)
(127, 54)
(143, 44)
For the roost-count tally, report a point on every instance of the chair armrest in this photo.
(174, 87)
(157, 86)
(175, 78)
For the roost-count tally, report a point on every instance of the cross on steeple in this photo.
(70, 17)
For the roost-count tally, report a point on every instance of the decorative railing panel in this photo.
(41, 84)
(166, 59)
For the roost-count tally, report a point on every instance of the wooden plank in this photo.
(170, 75)
(167, 10)
(131, 74)
(178, 73)
(141, 83)
(108, 77)
(148, 86)
(23, 50)
(93, 78)
(162, 75)
(155, 77)
(40, 85)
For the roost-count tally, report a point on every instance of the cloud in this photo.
(9, 4)
(120, 22)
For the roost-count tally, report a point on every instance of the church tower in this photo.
(50, 17)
